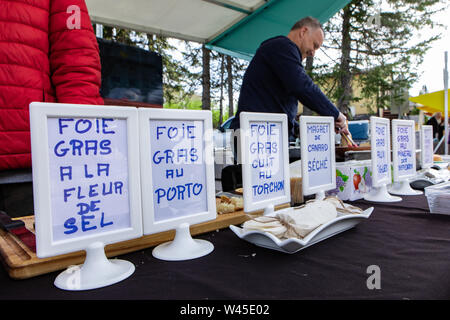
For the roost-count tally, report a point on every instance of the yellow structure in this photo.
(431, 102)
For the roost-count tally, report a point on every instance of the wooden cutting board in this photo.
(22, 263)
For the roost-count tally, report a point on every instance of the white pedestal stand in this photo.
(403, 188)
(269, 209)
(96, 272)
(183, 247)
(380, 194)
(320, 195)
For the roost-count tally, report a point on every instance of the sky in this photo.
(433, 64)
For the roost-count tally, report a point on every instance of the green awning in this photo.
(234, 27)
(274, 18)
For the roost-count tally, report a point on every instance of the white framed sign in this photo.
(265, 160)
(177, 169)
(85, 176)
(404, 156)
(318, 154)
(380, 141)
(380, 148)
(426, 146)
(403, 149)
(86, 180)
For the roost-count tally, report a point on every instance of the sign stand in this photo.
(381, 194)
(404, 157)
(318, 155)
(381, 161)
(96, 272)
(320, 195)
(269, 209)
(403, 188)
(426, 147)
(183, 246)
(265, 161)
(177, 170)
(86, 187)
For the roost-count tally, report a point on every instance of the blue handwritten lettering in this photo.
(317, 128)
(85, 207)
(67, 193)
(267, 188)
(85, 223)
(70, 224)
(316, 165)
(60, 152)
(65, 171)
(86, 123)
(179, 192)
(103, 223)
(382, 168)
(105, 125)
(61, 125)
(264, 148)
(318, 147)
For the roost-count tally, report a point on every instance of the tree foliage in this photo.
(373, 45)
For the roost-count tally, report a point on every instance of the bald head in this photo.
(308, 35)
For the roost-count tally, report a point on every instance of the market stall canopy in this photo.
(431, 102)
(430, 110)
(234, 27)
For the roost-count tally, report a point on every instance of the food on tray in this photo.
(239, 190)
(437, 157)
(226, 204)
(225, 208)
(299, 222)
(238, 202)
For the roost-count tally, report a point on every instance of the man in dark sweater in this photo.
(275, 79)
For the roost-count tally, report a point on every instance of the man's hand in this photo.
(341, 124)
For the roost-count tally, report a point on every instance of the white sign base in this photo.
(380, 194)
(96, 272)
(320, 195)
(183, 247)
(269, 209)
(403, 188)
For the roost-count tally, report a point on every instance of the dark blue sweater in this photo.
(275, 81)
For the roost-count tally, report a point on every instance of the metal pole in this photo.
(99, 30)
(446, 133)
(438, 145)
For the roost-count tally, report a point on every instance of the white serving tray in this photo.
(292, 245)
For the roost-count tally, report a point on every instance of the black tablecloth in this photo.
(410, 246)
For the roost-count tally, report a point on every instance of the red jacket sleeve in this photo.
(74, 54)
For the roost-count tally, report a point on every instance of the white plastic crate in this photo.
(438, 197)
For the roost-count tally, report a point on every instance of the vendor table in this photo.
(409, 246)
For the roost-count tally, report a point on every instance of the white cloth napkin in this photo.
(299, 222)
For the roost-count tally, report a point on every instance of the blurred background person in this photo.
(438, 125)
